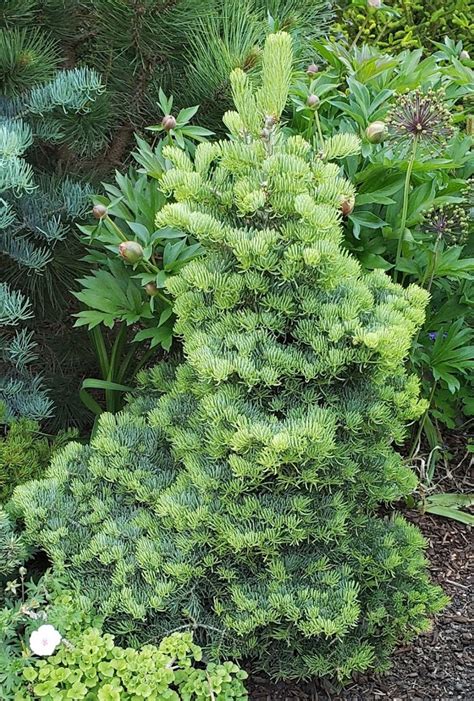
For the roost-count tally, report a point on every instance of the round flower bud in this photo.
(347, 206)
(151, 289)
(375, 132)
(131, 251)
(312, 69)
(312, 101)
(374, 3)
(464, 55)
(99, 211)
(168, 122)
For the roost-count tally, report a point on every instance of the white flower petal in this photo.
(45, 640)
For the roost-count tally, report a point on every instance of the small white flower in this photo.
(45, 640)
(374, 3)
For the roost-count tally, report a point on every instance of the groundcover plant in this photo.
(239, 494)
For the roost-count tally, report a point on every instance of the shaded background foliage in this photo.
(406, 24)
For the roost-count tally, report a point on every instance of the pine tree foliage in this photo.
(21, 392)
(36, 209)
(238, 495)
(231, 37)
(186, 47)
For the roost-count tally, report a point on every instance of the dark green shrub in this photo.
(242, 501)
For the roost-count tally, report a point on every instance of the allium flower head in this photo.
(420, 118)
(449, 222)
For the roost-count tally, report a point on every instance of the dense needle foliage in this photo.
(238, 495)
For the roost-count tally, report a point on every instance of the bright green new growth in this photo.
(242, 500)
(93, 667)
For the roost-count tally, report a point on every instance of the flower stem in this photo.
(360, 32)
(422, 422)
(406, 192)
(318, 127)
(431, 269)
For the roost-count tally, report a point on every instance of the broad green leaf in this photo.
(451, 512)
(92, 383)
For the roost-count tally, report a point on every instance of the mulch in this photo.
(439, 665)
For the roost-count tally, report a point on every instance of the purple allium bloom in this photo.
(449, 222)
(420, 118)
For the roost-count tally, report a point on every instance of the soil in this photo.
(439, 665)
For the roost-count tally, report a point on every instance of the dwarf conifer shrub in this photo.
(239, 495)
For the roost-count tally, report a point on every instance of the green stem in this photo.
(116, 227)
(318, 127)
(360, 32)
(422, 422)
(432, 267)
(111, 397)
(101, 350)
(406, 192)
(146, 356)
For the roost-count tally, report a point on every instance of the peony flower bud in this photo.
(151, 289)
(99, 211)
(347, 206)
(312, 101)
(168, 122)
(312, 69)
(376, 4)
(375, 132)
(464, 55)
(131, 251)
